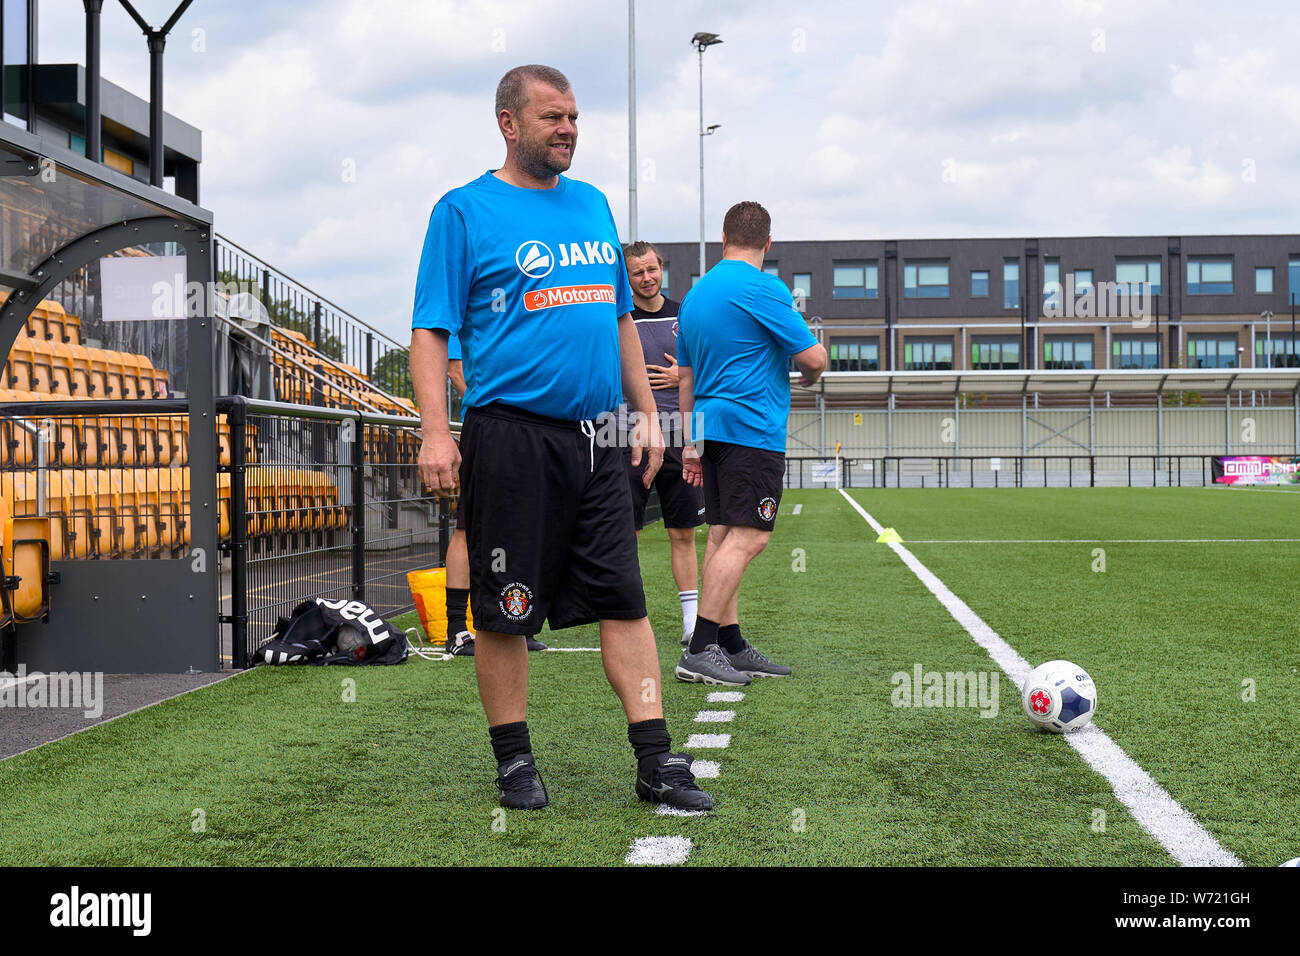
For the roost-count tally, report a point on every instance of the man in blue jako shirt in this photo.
(523, 264)
(738, 330)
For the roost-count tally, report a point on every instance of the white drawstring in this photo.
(589, 429)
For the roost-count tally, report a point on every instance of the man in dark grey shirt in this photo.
(655, 316)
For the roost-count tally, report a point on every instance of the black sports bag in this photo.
(321, 631)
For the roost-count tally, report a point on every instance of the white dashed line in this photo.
(708, 741)
(715, 716)
(658, 851)
(725, 697)
(666, 811)
(796, 509)
(705, 769)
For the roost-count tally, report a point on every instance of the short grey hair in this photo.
(512, 91)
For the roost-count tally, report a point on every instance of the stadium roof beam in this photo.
(1024, 381)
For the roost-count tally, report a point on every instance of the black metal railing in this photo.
(335, 332)
(111, 476)
(322, 503)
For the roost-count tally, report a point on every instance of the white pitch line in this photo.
(796, 509)
(715, 716)
(725, 697)
(708, 741)
(1152, 807)
(705, 769)
(1101, 540)
(658, 851)
(666, 811)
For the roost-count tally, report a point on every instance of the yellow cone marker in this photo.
(889, 536)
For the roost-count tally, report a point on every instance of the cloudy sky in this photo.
(922, 118)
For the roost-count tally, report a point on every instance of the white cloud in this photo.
(1078, 117)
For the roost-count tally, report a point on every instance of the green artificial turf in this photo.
(822, 767)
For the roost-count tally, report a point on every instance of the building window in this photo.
(772, 269)
(1264, 280)
(1209, 277)
(1132, 273)
(854, 280)
(663, 286)
(1052, 284)
(695, 277)
(1293, 278)
(925, 280)
(1281, 354)
(989, 352)
(802, 284)
(855, 355)
(1061, 351)
(1135, 351)
(1083, 285)
(1011, 284)
(979, 284)
(933, 354)
(1212, 351)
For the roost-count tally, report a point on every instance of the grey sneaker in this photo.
(710, 666)
(753, 664)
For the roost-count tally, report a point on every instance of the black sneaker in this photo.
(520, 784)
(462, 645)
(667, 778)
(534, 644)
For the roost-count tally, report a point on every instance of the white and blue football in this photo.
(1059, 696)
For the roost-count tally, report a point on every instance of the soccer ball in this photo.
(1059, 696)
(351, 642)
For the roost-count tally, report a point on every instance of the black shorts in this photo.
(683, 504)
(742, 485)
(548, 522)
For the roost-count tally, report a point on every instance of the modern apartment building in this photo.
(1097, 302)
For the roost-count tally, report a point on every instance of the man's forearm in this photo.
(636, 384)
(686, 401)
(429, 377)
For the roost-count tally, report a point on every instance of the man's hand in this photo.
(664, 376)
(647, 442)
(692, 470)
(439, 461)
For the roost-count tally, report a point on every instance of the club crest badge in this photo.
(767, 509)
(516, 601)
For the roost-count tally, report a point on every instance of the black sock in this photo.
(510, 740)
(730, 640)
(457, 598)
(649, 738)
(706, 633)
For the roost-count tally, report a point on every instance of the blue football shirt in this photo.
(737, 329)
(533, 282)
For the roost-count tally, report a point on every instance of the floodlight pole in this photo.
(703, 41)
(157, 40)
(631, 121)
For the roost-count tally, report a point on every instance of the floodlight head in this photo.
(702, 40)
(713, 127)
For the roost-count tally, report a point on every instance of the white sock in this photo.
(690, 608)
